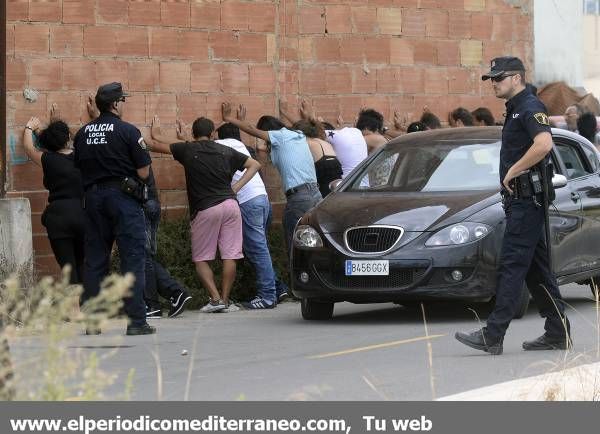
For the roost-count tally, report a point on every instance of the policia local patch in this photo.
(542, 118)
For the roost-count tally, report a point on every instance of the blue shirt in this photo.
(526, 117)
(291, 156)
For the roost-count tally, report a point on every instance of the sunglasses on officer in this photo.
(501, 77)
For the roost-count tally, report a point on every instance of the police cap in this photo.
(500, 65)
(110, 92)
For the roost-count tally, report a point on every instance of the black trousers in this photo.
(70, 251)
(524, 258)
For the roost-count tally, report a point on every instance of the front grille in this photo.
(397, 279)
(372, 239)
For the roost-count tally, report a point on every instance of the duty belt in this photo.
(306, 186)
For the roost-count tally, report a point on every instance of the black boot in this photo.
(559, 338)
(144, 329)
(480, 340)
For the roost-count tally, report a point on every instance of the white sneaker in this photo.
(231, 307)
(213, 306)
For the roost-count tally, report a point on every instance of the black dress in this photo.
(63, 216)
(328, 168)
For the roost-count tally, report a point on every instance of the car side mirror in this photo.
(333, 185)
(559, 181)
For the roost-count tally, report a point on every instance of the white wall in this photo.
(559, 47)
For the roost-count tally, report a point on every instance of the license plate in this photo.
(367, 268)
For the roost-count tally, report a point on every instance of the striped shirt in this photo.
(291, 156)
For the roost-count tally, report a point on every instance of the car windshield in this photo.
(442, 166)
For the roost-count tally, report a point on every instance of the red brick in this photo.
(79, 74)
(144, 12)
(45, 74)
(312, 80)
(338, 79)
(524, 28)
(193, 45)
(191, 107)
(352, 49)
(135, 110)
(402, 52)
(413, 80)
(493, 49)
(66, 40)
(46, 265)
(234, 78)
(132, 42)
(413, 22)
(389, 80)
(327, 50)
(436, 81)
(261, 17)
(448, 53)
(19, 110)
(349, 105)
(17, 10)
(262, 79)
(481, 26)
(164, 42)
(172, 199)
(234, 15)
(377, 102)
(31, 39)
(169, 174)
(26, 176)
(459, 25)
(45, 11)
(143, 76)
(175, 13)
(70, 104)
(10, 40)
(99, 41)
(224, 45)
(205, 77)
(364, 19)
(112, 70)
(163, 105)
(338, 19)
(312, 19)
(253, 47)
(377, 50)
(460, 80)
(79, 11)
(16, 74)
(206, 14)
(289, 18)
(436, 23)
(41, 245)
(289, 80)
(174, 76)
(503, 28)
(363, 82)
(113, 11)
(328, 107)
(425, 52)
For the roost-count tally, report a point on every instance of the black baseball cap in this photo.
(500, 65)
(111, 92)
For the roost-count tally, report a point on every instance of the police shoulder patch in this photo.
(541, 118)
(142, 143)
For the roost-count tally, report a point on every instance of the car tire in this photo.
(316, 310)
(523, 302)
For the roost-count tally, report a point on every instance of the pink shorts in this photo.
(218, 226)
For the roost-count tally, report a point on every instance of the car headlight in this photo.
(461, 233)
(307, 236)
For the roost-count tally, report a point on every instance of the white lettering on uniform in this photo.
(96, 133)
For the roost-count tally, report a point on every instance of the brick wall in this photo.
(183, 58)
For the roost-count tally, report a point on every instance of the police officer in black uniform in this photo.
(113, 160)
(526, 142)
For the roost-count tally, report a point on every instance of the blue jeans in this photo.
(255, 219)
(295, 208)
(112, 215)
(158, 279)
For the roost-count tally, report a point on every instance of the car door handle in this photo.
(575, 197)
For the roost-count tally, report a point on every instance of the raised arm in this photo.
(32, 125)
(159, 143)
(400, 125)
(245, 126)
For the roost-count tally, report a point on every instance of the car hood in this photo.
(415, 212)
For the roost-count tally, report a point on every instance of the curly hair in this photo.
(310, 128)
(55, 137)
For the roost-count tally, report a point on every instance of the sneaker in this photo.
(144, 329)
(282, 295)
(92, 331)
(258, 303)
(231, 307)
(178, 302)
(213, 306)
(153, 312)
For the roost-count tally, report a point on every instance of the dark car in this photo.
(421, 219)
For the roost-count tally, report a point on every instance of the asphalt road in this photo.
(367, 352)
